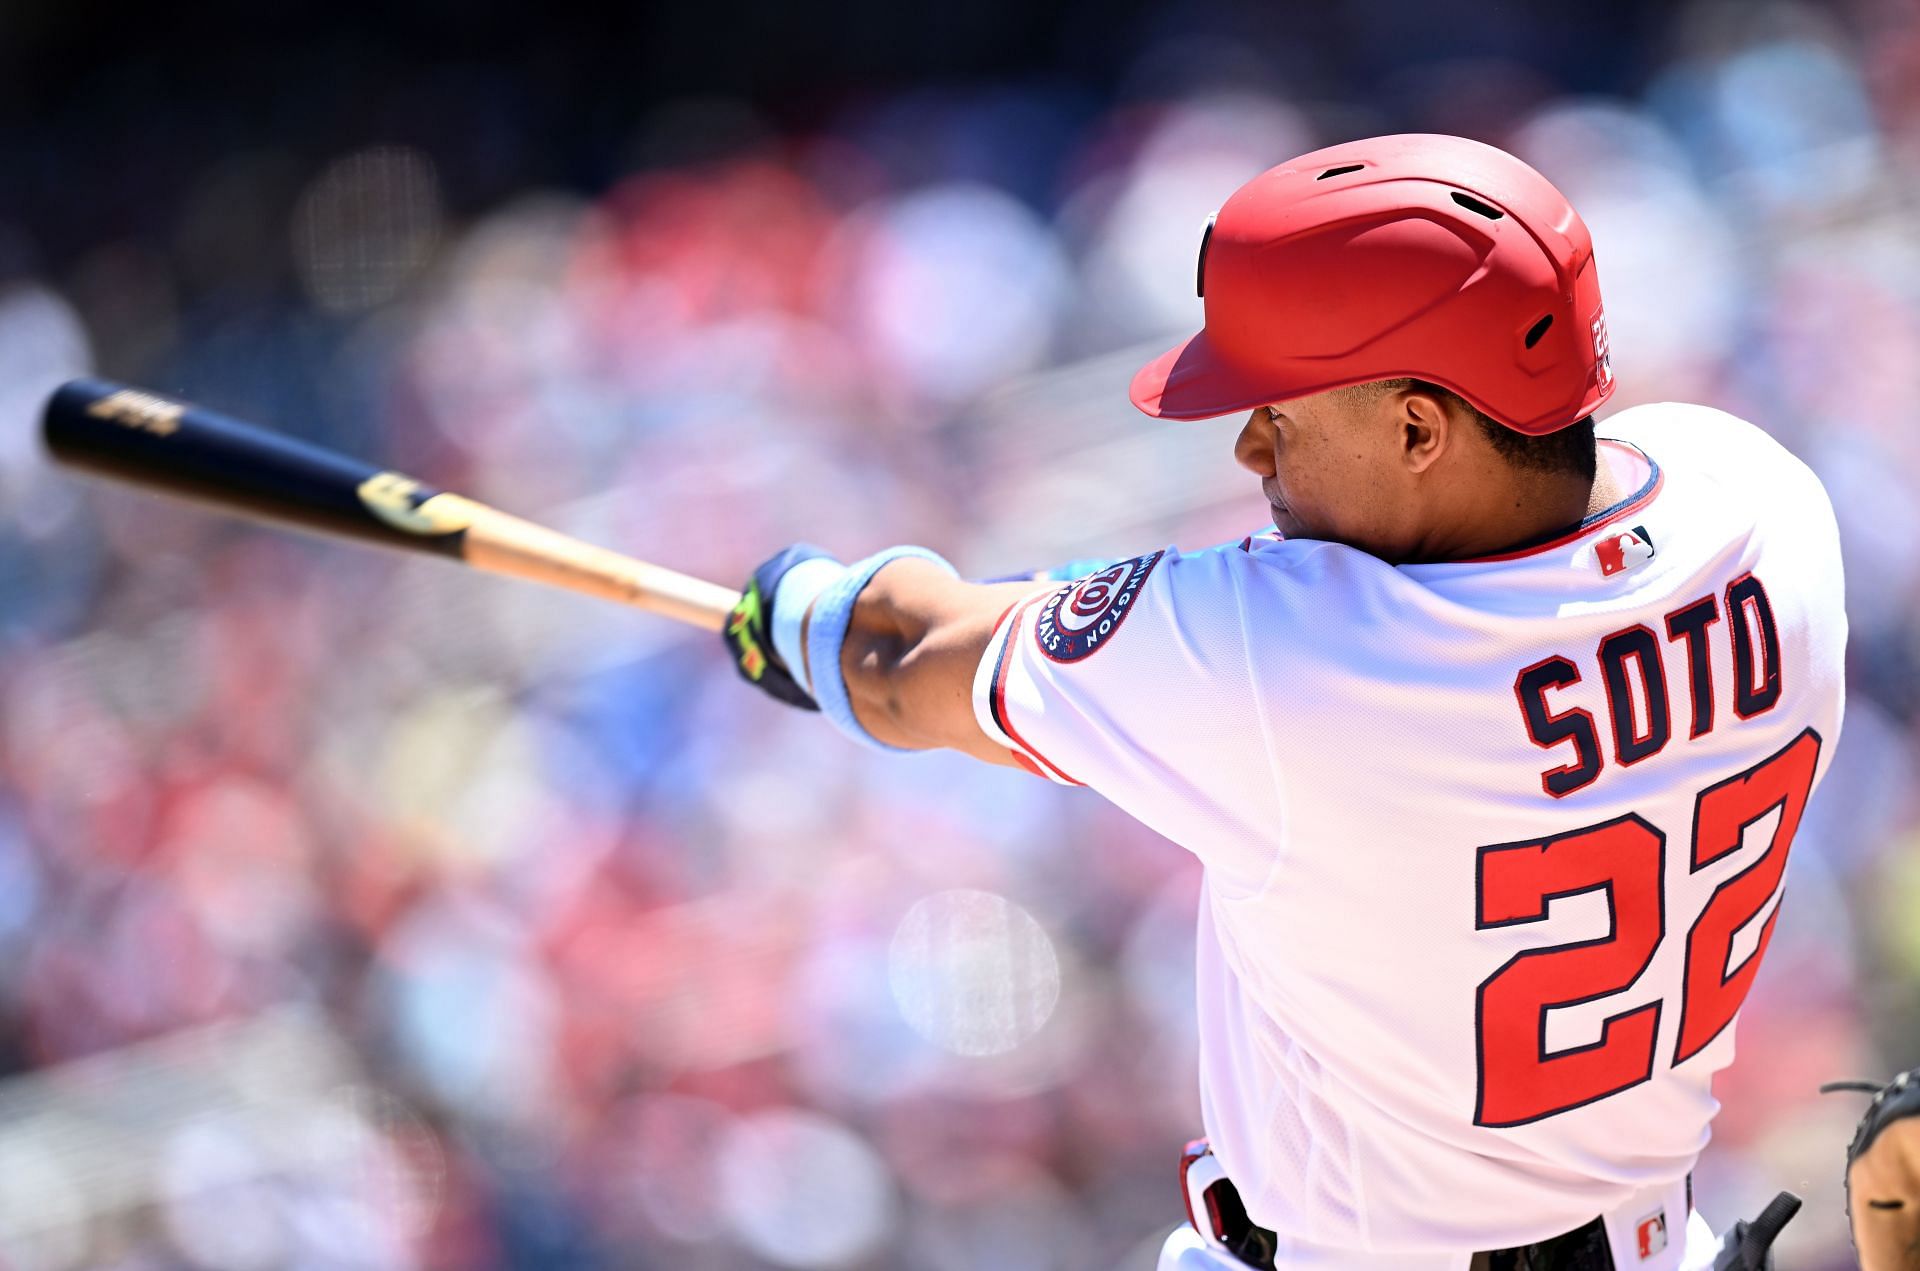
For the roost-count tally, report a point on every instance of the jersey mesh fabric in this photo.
(1336, 739)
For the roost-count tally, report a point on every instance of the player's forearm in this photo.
(916, 638)
(886, 647)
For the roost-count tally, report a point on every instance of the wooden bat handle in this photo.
(503, 544)
(159, 443)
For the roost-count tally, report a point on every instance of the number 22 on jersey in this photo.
(1625, 859)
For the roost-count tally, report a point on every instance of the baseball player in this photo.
(1493, 748)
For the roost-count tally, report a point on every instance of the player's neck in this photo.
(1526, 508)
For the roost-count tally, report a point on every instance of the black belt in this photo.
(1582, 1249)
(1585, 1248)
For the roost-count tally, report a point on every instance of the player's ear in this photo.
(1426, 427)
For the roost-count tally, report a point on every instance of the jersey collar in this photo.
(1649, 490)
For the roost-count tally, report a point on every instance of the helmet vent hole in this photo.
(1538, 329)
(1200, 267)
(1475, 205)
(1340, 172)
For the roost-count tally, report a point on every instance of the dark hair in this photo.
(1570, 450)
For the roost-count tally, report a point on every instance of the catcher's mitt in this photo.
(1883, 1174)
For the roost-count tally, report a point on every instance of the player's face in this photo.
(1331, 467)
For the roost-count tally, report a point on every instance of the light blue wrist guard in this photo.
(827, 632)
(792, 599)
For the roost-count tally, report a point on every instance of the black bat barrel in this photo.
(142, 437)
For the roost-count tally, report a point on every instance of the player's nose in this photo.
(1253, 448)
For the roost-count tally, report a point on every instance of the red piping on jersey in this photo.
(1626, 507)
(1020, 757)
(997, 700)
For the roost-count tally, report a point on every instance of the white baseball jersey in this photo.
(1492, 847)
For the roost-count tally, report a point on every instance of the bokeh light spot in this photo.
(801, 1190)
(365, 226)
(972, 972)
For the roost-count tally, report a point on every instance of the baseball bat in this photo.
(133, 435)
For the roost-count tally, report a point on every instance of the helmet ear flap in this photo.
(1200, 268)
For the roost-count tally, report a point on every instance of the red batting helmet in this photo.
(1426, 256)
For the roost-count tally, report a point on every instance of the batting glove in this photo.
(762, 632)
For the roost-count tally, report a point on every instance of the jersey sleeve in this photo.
(1137, 681)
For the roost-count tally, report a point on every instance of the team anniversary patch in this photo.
(1081, 617)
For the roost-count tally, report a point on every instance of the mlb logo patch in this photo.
(1623, 551)
(1650, 1235)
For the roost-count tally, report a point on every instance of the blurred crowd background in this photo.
(359, 912)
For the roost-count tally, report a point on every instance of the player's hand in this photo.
(748, 634)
